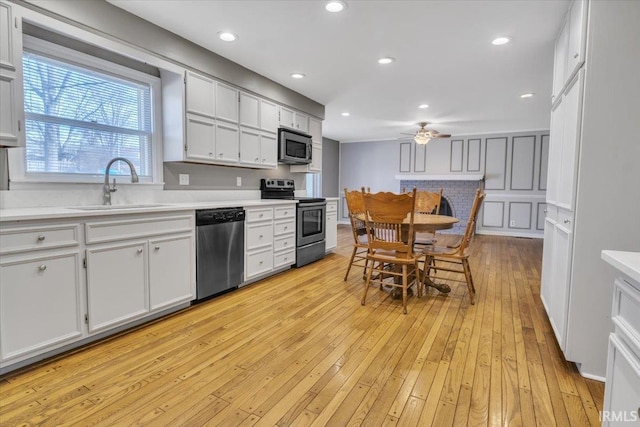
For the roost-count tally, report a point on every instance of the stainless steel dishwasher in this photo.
(219, 251)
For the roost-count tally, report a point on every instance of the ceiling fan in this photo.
(422, 136)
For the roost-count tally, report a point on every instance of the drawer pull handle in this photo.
(41, 238)
(567, 220)
(260, 262)
(575, 55)
(157, 248)
(42, 267)
(140, 250)
(285, 227)
(286, 243)
(545, 211)
(261, 236)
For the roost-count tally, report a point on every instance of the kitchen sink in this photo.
(114, 207)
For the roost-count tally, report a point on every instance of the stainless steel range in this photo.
(310, 219)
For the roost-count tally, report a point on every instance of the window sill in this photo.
(49, 185)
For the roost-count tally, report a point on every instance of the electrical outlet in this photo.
(238, 181)
(184, 178)
(512, 223)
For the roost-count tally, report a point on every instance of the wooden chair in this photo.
(436, 255)
(427, 202)
(355, 205)
(390, 244)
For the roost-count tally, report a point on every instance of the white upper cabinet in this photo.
(577, 40)
(315, 130)
(226, 103)
(268, 116)
(201, 95)
(249, 146)
(294, 120)
(555, 152)
(11, 95)
(227, 143)
(249, 110)
(570, 47)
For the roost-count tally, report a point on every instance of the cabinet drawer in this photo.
(284, 227)
(284, 243)
(284, 258)
(259, 262)
(626, 311)
(332, 207)
(259, 235)
(288, 212)
(34, 238)
(254, 215)
(107, 231)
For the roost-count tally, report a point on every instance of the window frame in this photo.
(17, 156)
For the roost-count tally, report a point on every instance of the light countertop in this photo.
(627, 262)
(58, 212)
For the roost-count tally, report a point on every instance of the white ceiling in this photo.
(443, 51)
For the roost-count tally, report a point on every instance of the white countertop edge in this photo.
(627, 262)
(50, 212)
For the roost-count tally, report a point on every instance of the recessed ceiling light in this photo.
(345, 114)
(527, 95)
(423, 106)
(500, 41)
(386, 60)
(227, 37)
(297, 75)
(335, 6)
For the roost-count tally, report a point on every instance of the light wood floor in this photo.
(299, 349)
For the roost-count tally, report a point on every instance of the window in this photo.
(81, 112)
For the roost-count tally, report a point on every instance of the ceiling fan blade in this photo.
(442, 135)
(404, 133)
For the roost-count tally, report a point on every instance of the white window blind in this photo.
(77, 119)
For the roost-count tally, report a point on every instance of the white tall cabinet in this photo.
(593, 196)
(11, 96)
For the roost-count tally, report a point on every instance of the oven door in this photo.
(310, 223)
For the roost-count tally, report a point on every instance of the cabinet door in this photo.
(570, 142)
(226, 103)
(249, 110)
(39, 303)
(201, 137)
(268, 116)
(200, 95)
(315, 130)
(116, 284)
(555, 152)
(302, 122)
(560, 283)
(287, 118)
(170, 279)
(560, 62)
(249, 146)
(546, 285)
(11, 94)
(316, 158)
(331, 235)
(622, 387)
(227, 143)
(269, 149)
(577, 31)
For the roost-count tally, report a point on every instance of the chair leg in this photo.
(418, 280)
(364, 273)
(366, 285)
(405, 279)
(467, 274)
(353, 255)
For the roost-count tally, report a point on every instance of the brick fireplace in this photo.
(458, 190)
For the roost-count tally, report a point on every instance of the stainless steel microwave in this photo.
(294, 148)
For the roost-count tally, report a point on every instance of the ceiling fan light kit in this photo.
(423, 136)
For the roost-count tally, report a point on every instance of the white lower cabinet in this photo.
(270, 237)
(170, 271)
(146, 265)
(116, 284)
(622, 385)
(331, 235)
(40, 302)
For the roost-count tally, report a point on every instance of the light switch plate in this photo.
(512, 223)
(184, 179)
(239, 181)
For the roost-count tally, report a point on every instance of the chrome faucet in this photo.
(107, 190)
